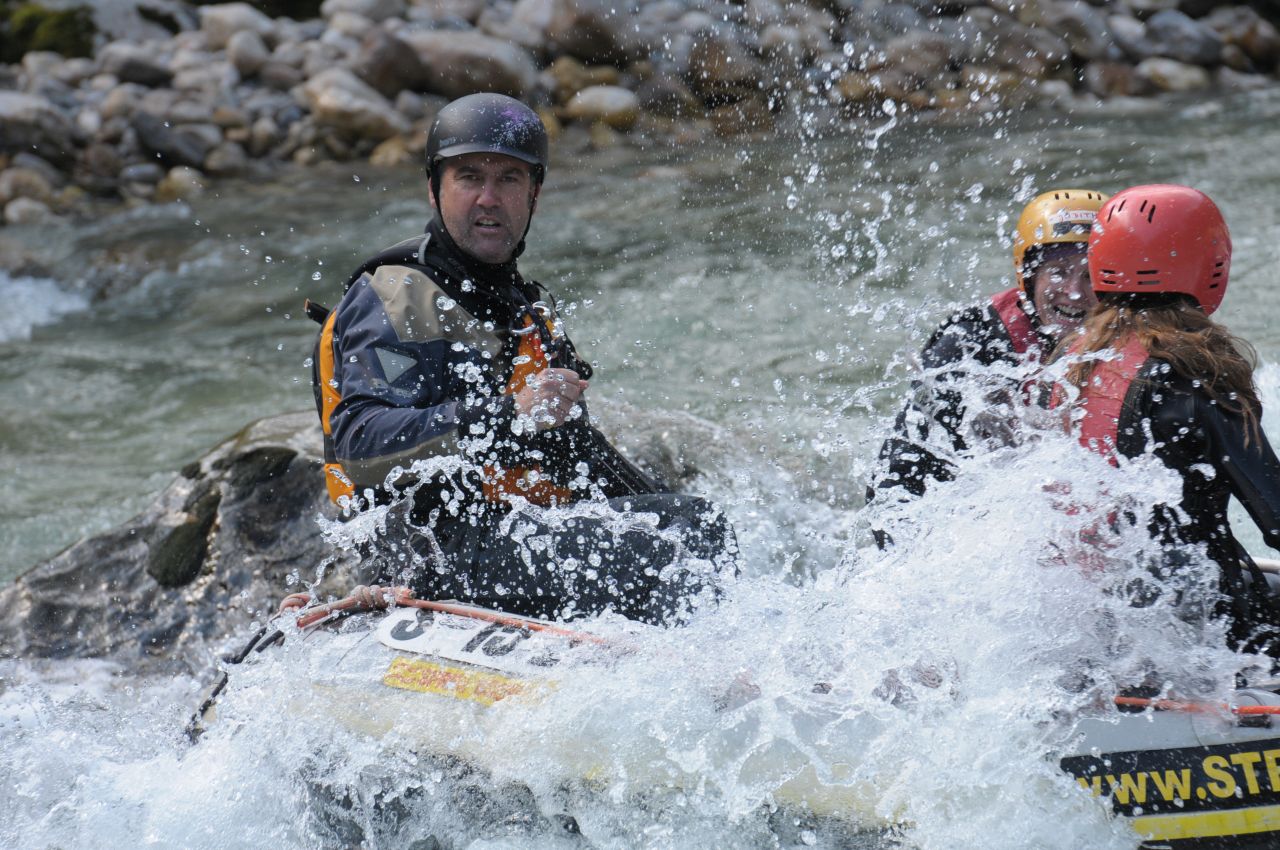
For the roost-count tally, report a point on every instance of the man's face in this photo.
(486, 201)
(1061, 292)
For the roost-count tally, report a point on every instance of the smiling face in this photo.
(1060, 288)
(486, 201)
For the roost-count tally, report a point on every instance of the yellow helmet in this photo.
(1063, 215)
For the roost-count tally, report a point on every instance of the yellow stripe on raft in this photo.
(1209, 824)
(425, 677)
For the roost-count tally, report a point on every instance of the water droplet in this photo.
(315, 275)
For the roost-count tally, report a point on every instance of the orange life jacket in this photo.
(526, 481)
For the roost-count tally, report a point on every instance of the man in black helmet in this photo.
(440, 351)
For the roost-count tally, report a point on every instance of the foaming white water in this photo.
(921, 696)
(33, 302)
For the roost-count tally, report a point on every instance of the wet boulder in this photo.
(919, 56)
(614, 105)
(1114, 79)
(1084, 27)
(220, 22)
(173, 145)
(373, 10)
(1176, 36)
(32, 123)
(211, 555)
(720, 69)
(24, 183)
(1243, 27)
(247, 53)
(341, 101)
(134, 63)
(595, 31)
(461, 63)
(389, 64)
(1171, 75)
(26, 211)
(137, 21)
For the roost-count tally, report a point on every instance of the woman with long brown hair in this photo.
(1156, 374)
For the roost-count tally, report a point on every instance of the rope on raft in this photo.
(378, 598)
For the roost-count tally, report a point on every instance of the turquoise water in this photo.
(765, 300)
(775, 287)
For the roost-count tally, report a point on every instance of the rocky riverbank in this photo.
(174, 97)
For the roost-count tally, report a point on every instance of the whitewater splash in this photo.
(33, 302)
(919, 697)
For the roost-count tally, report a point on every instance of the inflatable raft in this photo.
(1187, 775)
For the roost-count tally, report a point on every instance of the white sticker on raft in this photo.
(512, 649)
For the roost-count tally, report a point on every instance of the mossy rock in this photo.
(175, 558)
(28, 26)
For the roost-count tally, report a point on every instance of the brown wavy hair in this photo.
(1177, 331)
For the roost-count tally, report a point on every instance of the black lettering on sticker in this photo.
(496, 640)
(408, 630)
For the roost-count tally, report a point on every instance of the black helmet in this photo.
(487, 123)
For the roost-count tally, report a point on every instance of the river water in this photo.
(765, 299)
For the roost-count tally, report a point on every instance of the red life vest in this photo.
(1102, 399)
(1017, 324)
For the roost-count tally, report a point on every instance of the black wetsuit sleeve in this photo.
(934, 415)
(1250, 466)
(1210, 447)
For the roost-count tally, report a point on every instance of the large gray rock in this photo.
(529, 21)
(24, 183)
(219, 23)
(919, 55)
(1173, 76)
(247, 53)
(389, 64)
(1229, 80)
(173, 145)
(1245, 28)
(667, 95)
(595, 31)
(134, 63)
(1173, 34)
(460, 63)
(26, 211)
(340, 101)
(614, 105)
(1032, 51)
(1114, 79)
(374, 10)
(209, 557)
(137, 21)
(33, 123)
(1130, 35)
(719, 68)
(1084, 27)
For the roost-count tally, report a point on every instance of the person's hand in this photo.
(549, 397)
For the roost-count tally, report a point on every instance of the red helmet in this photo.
(1161, 239)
